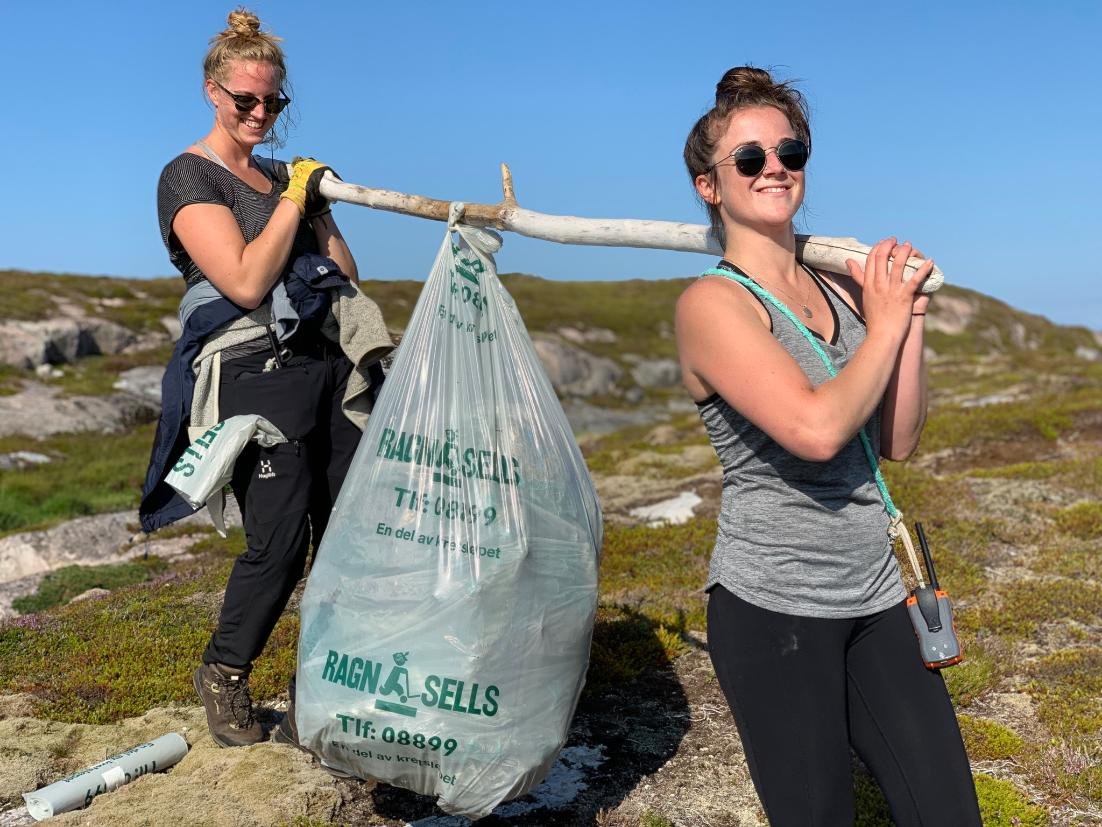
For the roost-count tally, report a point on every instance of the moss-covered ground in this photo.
(88, 473)
(1007, 483)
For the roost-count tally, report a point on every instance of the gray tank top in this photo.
(795, 536)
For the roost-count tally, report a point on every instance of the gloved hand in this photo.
(304, 187)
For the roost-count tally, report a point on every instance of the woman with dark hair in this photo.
(807, 626)
(265, 265)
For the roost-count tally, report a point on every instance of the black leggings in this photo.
(804, 689)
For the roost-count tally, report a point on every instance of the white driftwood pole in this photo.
(821, 252)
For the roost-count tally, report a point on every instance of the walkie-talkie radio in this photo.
(932, 616)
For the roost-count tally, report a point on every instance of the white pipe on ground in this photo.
(78, 790)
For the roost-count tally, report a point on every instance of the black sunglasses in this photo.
(749, 159)
(273, 104)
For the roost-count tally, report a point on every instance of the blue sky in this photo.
(969, 128)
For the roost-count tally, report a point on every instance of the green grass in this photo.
(980, 672)
(1082, 520)
(99, 661)
(987, 740)
(1070, 558)
(30, 296)
(1026, 605)
(870, 806)
(90, 474)
(659, 572)
(11, 379)
(62, 585)
(653, 819)
(1004, 805)
(96, 375)
(1067, 686)
(958, 427)
(610, 453)
(69, 657)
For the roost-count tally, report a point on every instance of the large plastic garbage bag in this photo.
(447, 619)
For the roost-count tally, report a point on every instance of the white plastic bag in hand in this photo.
(207, 464)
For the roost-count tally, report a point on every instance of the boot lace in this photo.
(240, 701)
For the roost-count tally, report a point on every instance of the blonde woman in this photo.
(235, 228)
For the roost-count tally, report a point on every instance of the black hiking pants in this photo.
(285, 492)
(803, 690)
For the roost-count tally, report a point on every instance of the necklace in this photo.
(728, 265)
(807, 295)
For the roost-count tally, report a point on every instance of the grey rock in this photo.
(591, 420)
(29, 344)
(593, 334)
(1088, 354)
(1018, 334)
(656, 373)
(575, 372)
(12, 590)
(146, 341)
(40, 411)
(91, 594)
(21, 459)
(88, 541)
(102, 336)
(57, 341)
(950, 314)
(992, 399)
(48, 371)
(144, 381)
(83, 541)
(172, 325)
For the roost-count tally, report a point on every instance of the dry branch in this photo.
(821, 252)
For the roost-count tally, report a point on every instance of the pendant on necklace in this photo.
(807, 310)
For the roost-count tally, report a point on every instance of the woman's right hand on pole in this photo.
(887, 297)
(304, 188)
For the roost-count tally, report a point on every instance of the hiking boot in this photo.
(287, 733)
(224, 691)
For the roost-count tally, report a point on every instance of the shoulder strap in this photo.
(210, 153)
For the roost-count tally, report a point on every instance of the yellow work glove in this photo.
(303, 188)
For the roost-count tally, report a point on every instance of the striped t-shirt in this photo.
(193, 179)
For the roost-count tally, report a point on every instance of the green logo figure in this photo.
(397, 683)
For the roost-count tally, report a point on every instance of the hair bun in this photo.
(742, 79)
(242, 23)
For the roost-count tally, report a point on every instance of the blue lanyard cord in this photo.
(765, 295)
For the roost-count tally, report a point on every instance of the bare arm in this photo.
(242, 272)
(331, 243)
(904, 413)
(725, 348)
